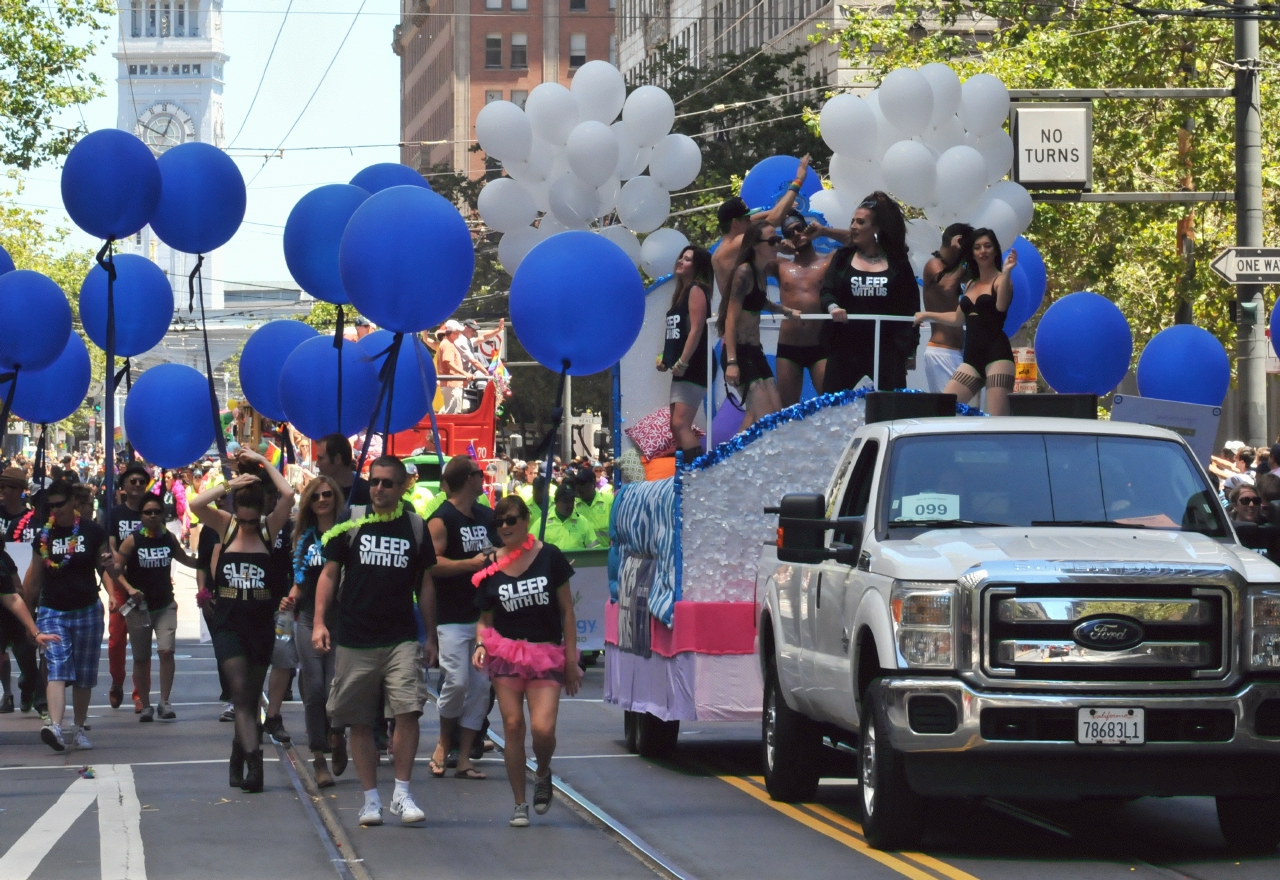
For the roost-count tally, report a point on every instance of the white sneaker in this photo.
(81, 741)
(407, 810)
(52, 735)
(371, 814)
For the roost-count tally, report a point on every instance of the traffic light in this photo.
(97, 406)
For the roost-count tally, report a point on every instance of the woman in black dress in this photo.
(685, 350)
(244, 612)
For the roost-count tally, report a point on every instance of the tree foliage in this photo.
(1127, 252)
(42, 71)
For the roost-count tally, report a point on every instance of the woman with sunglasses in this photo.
(526, 639)
(685, 351)
(318, 510)
(738, 323)
(244, 611)
(147, 558)
(1246, 505)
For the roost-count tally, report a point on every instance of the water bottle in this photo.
(284, 626)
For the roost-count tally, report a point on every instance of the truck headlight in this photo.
(1264, 628)
(923, 624)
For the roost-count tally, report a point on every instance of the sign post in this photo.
(1245, 265)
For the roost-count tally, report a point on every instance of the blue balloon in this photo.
(312, 235)
(110, 184)
(143, 302)
(309, 388)
(54, 393)
(415, 381)
(1029, 283)
(202, 199)
(262, 360)
(168, 417)
(577, 297)
(406, 259)
(385, 175)
(1083, 345)
(6, 262)
(1185, 363)
(35, 320)
(766, 182)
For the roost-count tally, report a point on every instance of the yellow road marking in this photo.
(918, 857)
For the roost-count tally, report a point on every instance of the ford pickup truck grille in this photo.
(1107, 633)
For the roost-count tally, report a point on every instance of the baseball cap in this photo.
(134, 467)
(411, 469)
(584, 475)
(452, 326)
(730, 210)
(14, 476)
(470, 322)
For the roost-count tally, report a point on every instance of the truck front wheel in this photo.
(891, 811)
(792, 747)
(1250, 825)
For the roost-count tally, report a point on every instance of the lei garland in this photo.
(353, 524)
(45, 543)
(21, 525)
(146, 534)
(299, 570)
(515, 554)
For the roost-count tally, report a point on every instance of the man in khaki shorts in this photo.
(381, 557)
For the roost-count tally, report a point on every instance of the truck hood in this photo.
(946, 554)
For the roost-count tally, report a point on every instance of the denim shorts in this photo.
(75, 658)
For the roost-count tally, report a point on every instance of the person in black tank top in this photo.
(685, 350)
(147, 556)
(244, 608)
(988, 356)
(463, 535)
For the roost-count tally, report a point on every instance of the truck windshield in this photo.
(1048, 479)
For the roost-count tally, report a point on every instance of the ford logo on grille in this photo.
(1109, 633)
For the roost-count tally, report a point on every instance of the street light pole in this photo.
(1251, 338)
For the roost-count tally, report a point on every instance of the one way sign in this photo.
(1241, 265)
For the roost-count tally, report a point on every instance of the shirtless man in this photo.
(735, 218)
(799, 283)
(943, 276)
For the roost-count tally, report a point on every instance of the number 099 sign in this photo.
(928, 506)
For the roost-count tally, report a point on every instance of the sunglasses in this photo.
(58, 505)
(774, 240)
(869, 203)
(250, 523)
(1251, 500)
(153, 513)
(322, 496)
(476, 473)
(135, 482)
(382, 483)
(509, 520)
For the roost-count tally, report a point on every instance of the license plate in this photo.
(1100, 727)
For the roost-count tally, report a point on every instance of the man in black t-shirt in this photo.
(383, 559)
(125, 520)
(17, 529)
(462, 534)
(334, 459)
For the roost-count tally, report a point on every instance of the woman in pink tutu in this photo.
(526, 612)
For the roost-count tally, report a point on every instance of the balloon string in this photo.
(430, 394)
(386, 380)
(337, 343)
(12, 379)
(286, 443)
(194, 280)
(37, 471)
(106, 259)
(557, 415)
(126, 372)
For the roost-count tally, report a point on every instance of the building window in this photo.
(493, 50)
(519, 5)
(133, 70)
(186, 69)
(195, 69)
(613, 4)
(613, 49)
(519, 51)
(151, 18)
(166, 18)
(155, 70)
(577, 50)
(135, 18)
(165, 70)
(577, 5)
(492, 4)
(492, 95)
(193, 18)
(180, 18)
(518, 97)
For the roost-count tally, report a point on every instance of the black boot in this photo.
(253, 778)
(237, 764)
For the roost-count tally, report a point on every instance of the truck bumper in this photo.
(1023, 745)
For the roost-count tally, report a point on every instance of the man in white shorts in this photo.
(944, 275)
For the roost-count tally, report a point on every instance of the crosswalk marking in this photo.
(119, 831)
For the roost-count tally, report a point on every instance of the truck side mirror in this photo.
(802, 521)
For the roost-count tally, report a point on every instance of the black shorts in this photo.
(981, 353)
(248, 632)
(803, 356)
(753, 366)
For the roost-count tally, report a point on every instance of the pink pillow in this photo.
(652, 434)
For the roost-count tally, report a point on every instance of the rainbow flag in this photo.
(274, 455)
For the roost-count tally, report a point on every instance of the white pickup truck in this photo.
(1021, 607)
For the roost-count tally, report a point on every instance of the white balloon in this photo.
(643, 205)
(660, 250)
(515, 245)
(940, 218)
(962, 179)
(984, 103)
(946, 134)
(1015, 196)
(607, 195)
(836, 207)
(504, 132)
(648, 115)
(632, 158)
(625, 239)
(996, 148)
(923, 235)
(906, 100)
(550, 225)
(848, 125)
(540, 192)
(945, 86)
(505, 205)
(855, 178)
(600, 91)
(559, 167)
(997, 216)
(573, 201)
(887, 134)
(675, 161)
(537, 166)
(592, 151)
(910, 173)
(553, 112)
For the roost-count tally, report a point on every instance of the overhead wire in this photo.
(262, 78)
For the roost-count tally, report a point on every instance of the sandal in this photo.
(469, 773)
(436, 770)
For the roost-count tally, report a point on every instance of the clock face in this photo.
(165, 125)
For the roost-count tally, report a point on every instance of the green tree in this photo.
(1127, 252)
(42, 71)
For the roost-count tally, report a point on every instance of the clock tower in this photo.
(171, 62)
